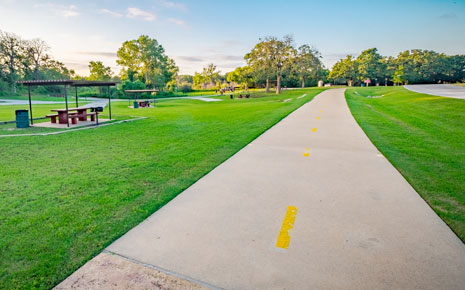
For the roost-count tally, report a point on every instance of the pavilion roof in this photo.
(45, 82)
(73, 83)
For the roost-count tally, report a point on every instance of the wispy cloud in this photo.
(97, 53)
(177, 21)
(225, 57)
(190, 58)
(134, 12)
(65, 11)
(448, 16)
(172, 5)
(111, 13)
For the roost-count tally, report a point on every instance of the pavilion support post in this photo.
(30, 104)
(109, 100)
(66, 100)
(77, 104)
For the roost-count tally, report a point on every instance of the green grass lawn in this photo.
(63, 198)
(7, 113)
(40, 97)
(423, 136)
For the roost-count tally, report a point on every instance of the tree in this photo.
(35, 56)
(145, 59)
(210, 74)
(198, 80)
(399, 77)
(99, 72)
(306, 63)
(370, 65)
(271, 56)
(10, 57)
(344, 70)
(241, 75)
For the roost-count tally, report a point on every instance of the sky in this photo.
(195, 33)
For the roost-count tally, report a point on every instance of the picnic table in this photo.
(64, 114)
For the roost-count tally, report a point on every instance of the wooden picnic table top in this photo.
(70, 109)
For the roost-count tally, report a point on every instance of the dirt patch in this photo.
(107, 271)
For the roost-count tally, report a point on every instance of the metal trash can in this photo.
(22, 118)
(136, 105)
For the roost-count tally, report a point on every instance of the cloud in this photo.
(134, 12)
(448, 16)
(225, 57)
(97, 53)
(77, 66)
(65, 11)
(190, 58)
(111, 13)
(172, 5)
(176, 21)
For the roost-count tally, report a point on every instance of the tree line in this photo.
(414, 66)
(27, 59)
(272, 62)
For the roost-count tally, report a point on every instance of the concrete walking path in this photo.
(450, 91)
(310, 204)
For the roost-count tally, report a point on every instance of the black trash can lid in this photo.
(21, 111)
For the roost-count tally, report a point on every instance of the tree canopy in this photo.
(409, 67)
(27, 59)
(99, 72)
(144, 59)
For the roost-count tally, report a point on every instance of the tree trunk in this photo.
(246, 87)
(267, 88)
(303, 83)
(278, 84)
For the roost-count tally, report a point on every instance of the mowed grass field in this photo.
(423, 136)
(63, 198)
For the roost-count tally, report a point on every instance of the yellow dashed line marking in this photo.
(288, 223)
(318, 118)
(306, 154)
(314, 130)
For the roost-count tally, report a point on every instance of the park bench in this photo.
(74, 118)
(92, 116)
(53, 117)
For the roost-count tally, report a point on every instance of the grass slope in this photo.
(65, 197)
(423, 137)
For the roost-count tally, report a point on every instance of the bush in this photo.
(185, 88)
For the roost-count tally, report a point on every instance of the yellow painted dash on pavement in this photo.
(314, 129)
(288, 223)
(306, 154)
(318, 118)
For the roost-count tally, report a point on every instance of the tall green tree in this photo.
(399, 77)
(99, 72)
(144, 58)
(271, 56)
(306, 63)
(11, 54)
(345, 70)
(371, 65)
(210, 74)
(241, 75)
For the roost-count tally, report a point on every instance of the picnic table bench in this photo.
(78, 114)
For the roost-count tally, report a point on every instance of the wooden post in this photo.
(30, 104)
(109, 100)
(66, 100)
(77, 105)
